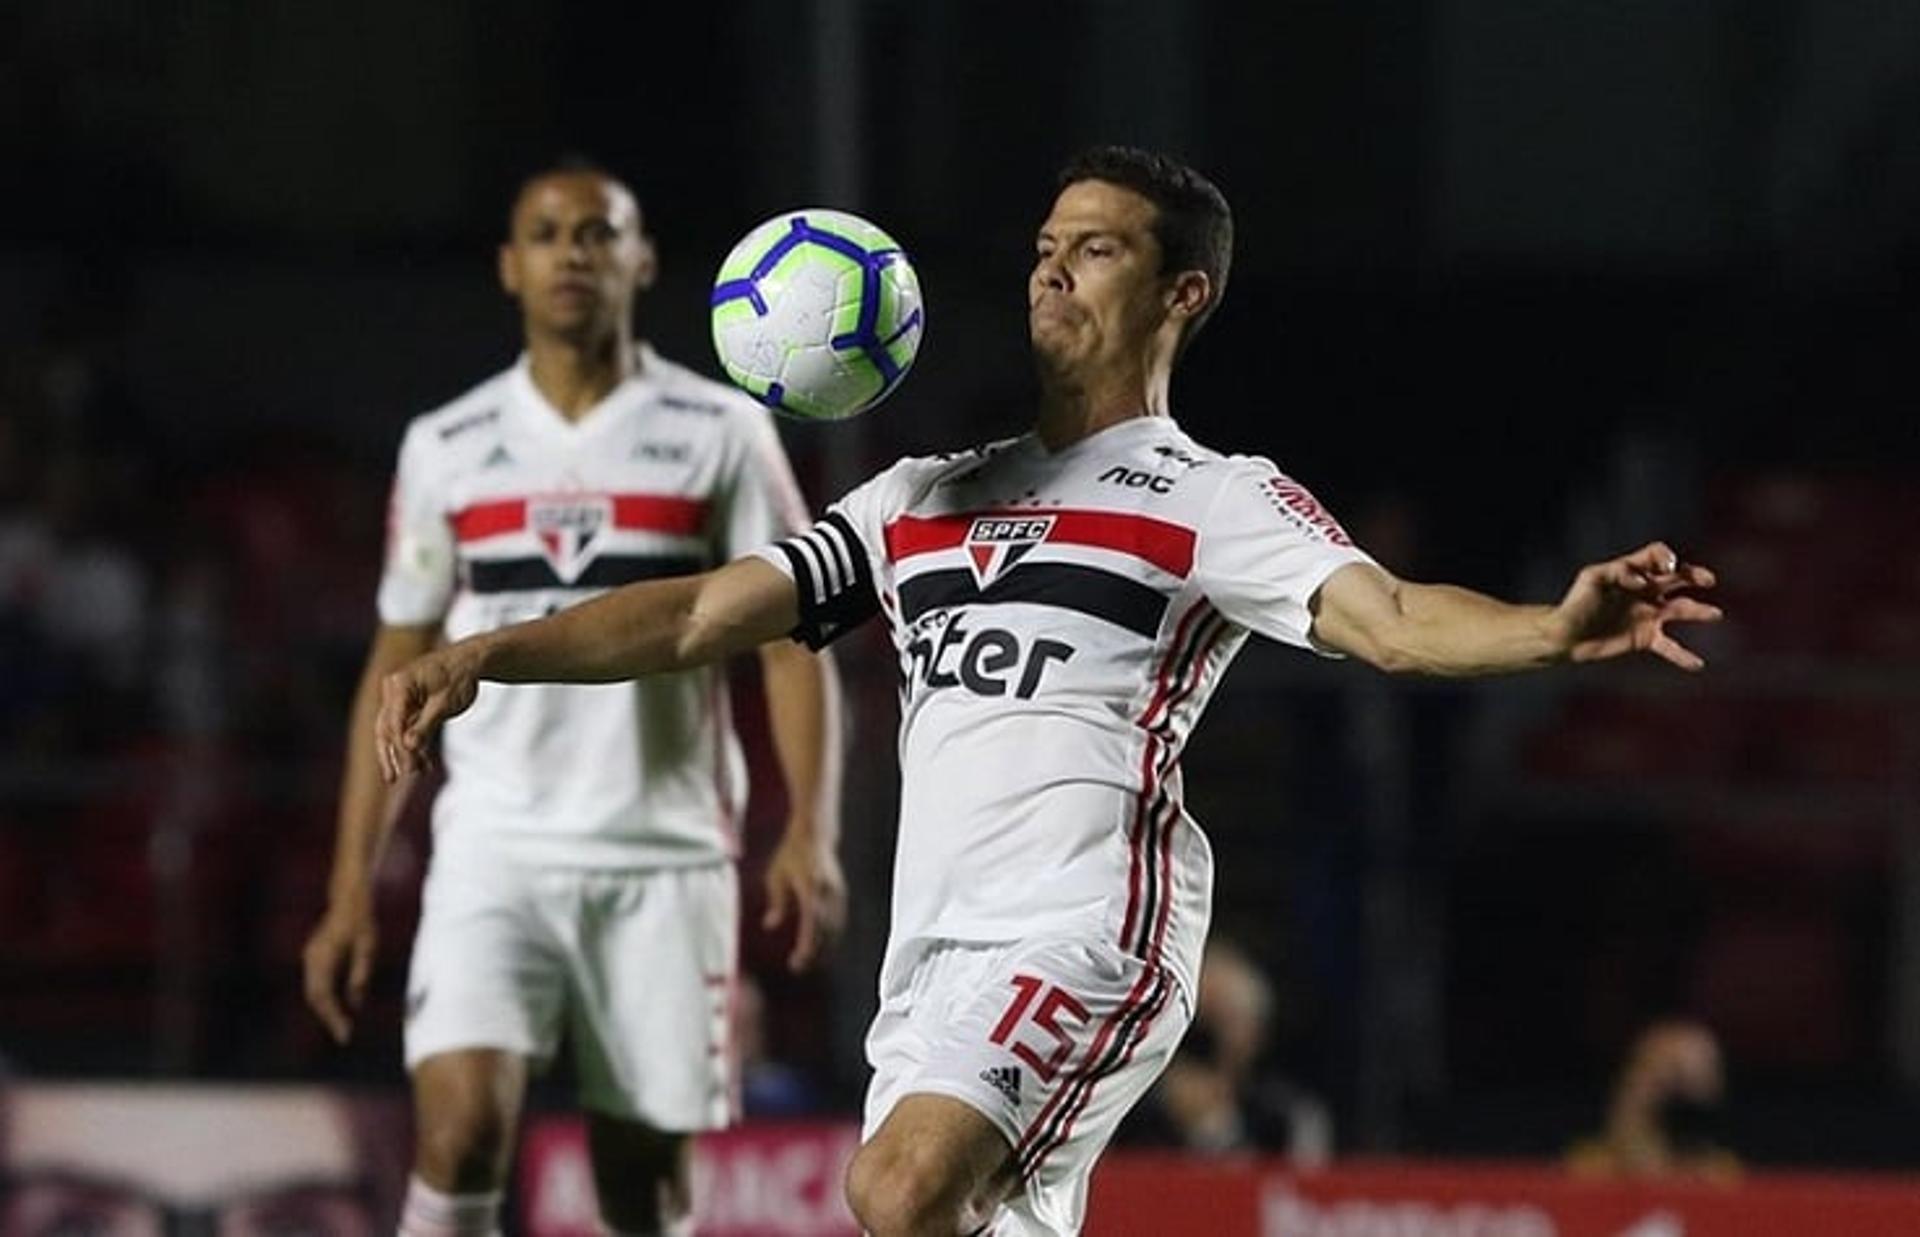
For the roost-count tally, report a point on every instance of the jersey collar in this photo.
(1119, 434)
(640, 386)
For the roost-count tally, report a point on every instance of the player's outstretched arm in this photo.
(1620, 606)
(644, 628)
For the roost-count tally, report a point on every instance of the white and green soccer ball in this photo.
(817, 314)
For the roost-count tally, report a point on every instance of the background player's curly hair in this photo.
(1194, 224)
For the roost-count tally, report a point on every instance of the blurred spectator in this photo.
(72, 605)
(1218, 1096)
(1664, 1116)
(768, 1088)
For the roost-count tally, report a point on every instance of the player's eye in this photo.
(73, 1222)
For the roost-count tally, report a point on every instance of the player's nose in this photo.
(1049, 273)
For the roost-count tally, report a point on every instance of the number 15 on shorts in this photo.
(1032, 1025)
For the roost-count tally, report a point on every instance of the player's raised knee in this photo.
(899, 1189)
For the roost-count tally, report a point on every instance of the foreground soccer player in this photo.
(582, 872)
(1062, 604)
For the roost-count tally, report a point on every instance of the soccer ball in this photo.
(817, 314)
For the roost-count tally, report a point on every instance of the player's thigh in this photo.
(1051, 1042)
(1058, 1151)
(487, 971)
(651, 996)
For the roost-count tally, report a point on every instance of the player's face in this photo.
(1097, 294)
(113, 1163)
(576, 254)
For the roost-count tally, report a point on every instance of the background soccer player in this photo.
(582, 872)
(1063, 603)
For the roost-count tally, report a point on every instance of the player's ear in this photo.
(647, 269)
(1189, 293)
(509, 270)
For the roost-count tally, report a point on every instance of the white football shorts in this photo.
(637, 966)
(1053, 1040)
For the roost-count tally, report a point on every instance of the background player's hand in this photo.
(1623, 606)
(414, 701)
(805, 876)
(338, 964)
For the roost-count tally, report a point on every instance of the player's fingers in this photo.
(1655, 558)
(360, 972)
(1621, 573)
(392, 703)
(1688, 578)
(776, 912)
(803, 937)
(320, 995)
(1665, 646)
(1690, 610)
(832, 913)
(413, 735)
(386, 731)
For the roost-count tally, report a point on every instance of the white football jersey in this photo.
(503, 510)
(1061, 619)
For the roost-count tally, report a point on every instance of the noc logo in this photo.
(568, 528)
(996, 543)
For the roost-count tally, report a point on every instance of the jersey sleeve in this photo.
(1266, 546)
(417, 577)
(832, 565)
(761, 501)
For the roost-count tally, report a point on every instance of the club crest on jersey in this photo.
(995, 543)
(568, 528)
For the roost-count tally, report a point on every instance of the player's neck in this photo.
(574, 376)
(1070, 412)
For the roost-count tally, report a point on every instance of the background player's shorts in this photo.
(638, 966)
(1052, 1040)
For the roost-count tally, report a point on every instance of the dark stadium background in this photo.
(1515, 285)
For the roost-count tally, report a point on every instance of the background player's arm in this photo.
(644, 628)
(803, 712)
(1613, 608)
(338, 960)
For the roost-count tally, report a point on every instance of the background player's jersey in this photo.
(1061, 619)
(502, 510)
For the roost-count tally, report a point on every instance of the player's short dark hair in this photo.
(1193, 222)
(573, 163)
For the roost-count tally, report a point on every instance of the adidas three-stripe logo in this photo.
(1005, 1079)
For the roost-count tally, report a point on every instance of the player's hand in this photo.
(805, 876)
(1625, 604)
(338, 965)
(414, 701)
